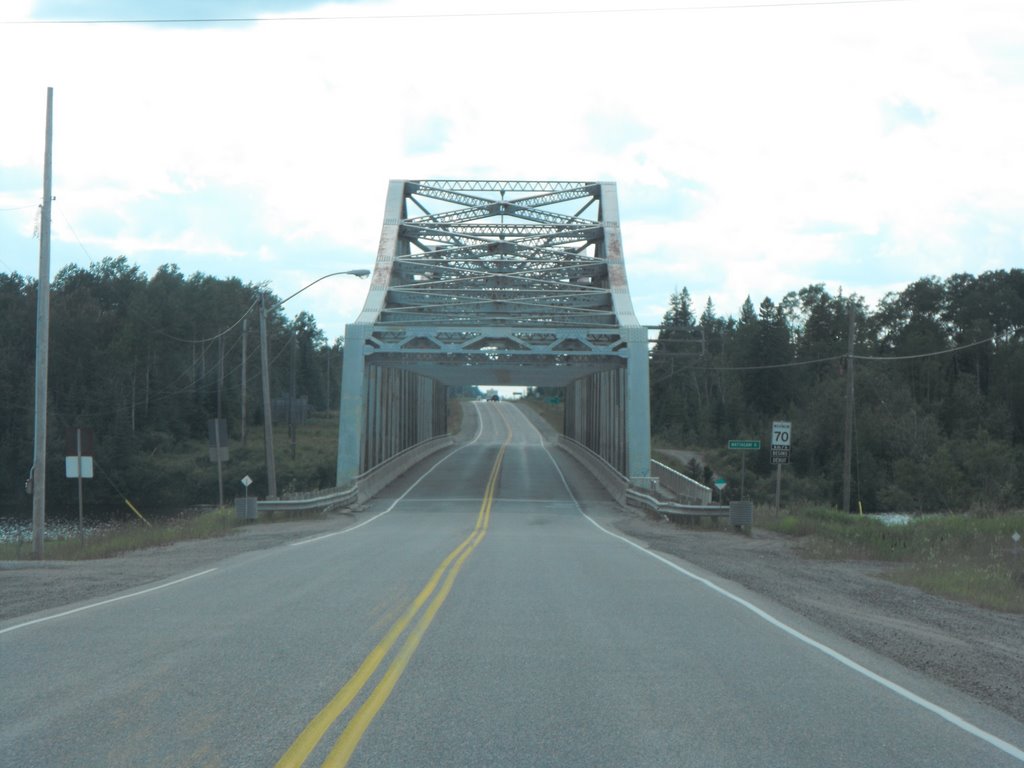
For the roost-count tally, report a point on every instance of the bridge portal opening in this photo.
(486, 283)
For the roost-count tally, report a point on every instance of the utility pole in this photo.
(216, 430)
(292, 416)
(220, 373)
(268, 417)
(848, 435)
(245, 360)
(37, 478)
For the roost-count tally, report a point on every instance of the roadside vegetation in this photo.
(129, 536)
(938, 405)
(969, 557)
(306, 463)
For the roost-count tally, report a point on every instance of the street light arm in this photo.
(360, 273)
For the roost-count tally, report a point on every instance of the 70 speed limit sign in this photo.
(782, 434)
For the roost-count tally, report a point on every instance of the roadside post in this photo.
(78, 463)
(741, 513)
(244, 508)
(782, 434)
(744, 445)
(720, 485)
(218, 433)
(1015, 568)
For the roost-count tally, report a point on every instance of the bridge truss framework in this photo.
(496, 283)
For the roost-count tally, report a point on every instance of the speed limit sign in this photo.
(782, 434)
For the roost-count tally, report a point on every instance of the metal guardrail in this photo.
(365, 487)
(671, 509)
(310, 501)
(739, 513)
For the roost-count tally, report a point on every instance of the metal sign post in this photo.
(744, 445)
(782, 434)
(78, 462)
(248, 510)
(720, 485)
(78, 453)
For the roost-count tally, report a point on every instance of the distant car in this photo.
(493, 398)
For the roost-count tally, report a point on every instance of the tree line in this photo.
(938, 398)
(145, 362)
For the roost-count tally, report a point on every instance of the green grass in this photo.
(997, 584)
(964, 557)
(131, 536)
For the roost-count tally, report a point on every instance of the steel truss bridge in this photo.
(496, 283)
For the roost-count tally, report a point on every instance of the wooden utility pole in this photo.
(292, 416)
(268, 416)
(245, 360)
(216, 430)
(37, 478)
(848, 433)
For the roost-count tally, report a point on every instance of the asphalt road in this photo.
(480, 613)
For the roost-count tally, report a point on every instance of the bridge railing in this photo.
(688, 490)
(613, 481)
(365, 486)
(642, 493)
(370, 483)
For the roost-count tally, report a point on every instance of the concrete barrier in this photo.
(370, 483)
(366, 486)
(613, 481)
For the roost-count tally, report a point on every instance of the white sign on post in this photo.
(782, 435)
(71, 464)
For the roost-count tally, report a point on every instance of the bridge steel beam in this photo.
(496, 283)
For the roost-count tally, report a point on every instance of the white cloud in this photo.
(855, 144)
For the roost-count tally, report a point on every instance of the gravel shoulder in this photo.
(978, 651)
(975, 650)
(29, 586)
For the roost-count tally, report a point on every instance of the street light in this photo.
(360, 273)
(268, 422)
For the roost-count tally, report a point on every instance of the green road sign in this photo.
(745, 445)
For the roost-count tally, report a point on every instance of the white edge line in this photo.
(107, 601)
(945, 714)
(479, 431)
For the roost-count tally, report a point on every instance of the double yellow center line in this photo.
(355, 728)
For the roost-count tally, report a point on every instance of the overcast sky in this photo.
(757, 147)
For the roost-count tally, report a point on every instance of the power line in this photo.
(215, 336)
(796, 363)
(457, 15)
(886, 358)
(73, 232)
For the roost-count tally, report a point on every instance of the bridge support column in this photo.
(351, 411)
(638, 407)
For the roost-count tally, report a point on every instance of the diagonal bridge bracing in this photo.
(496, 283)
